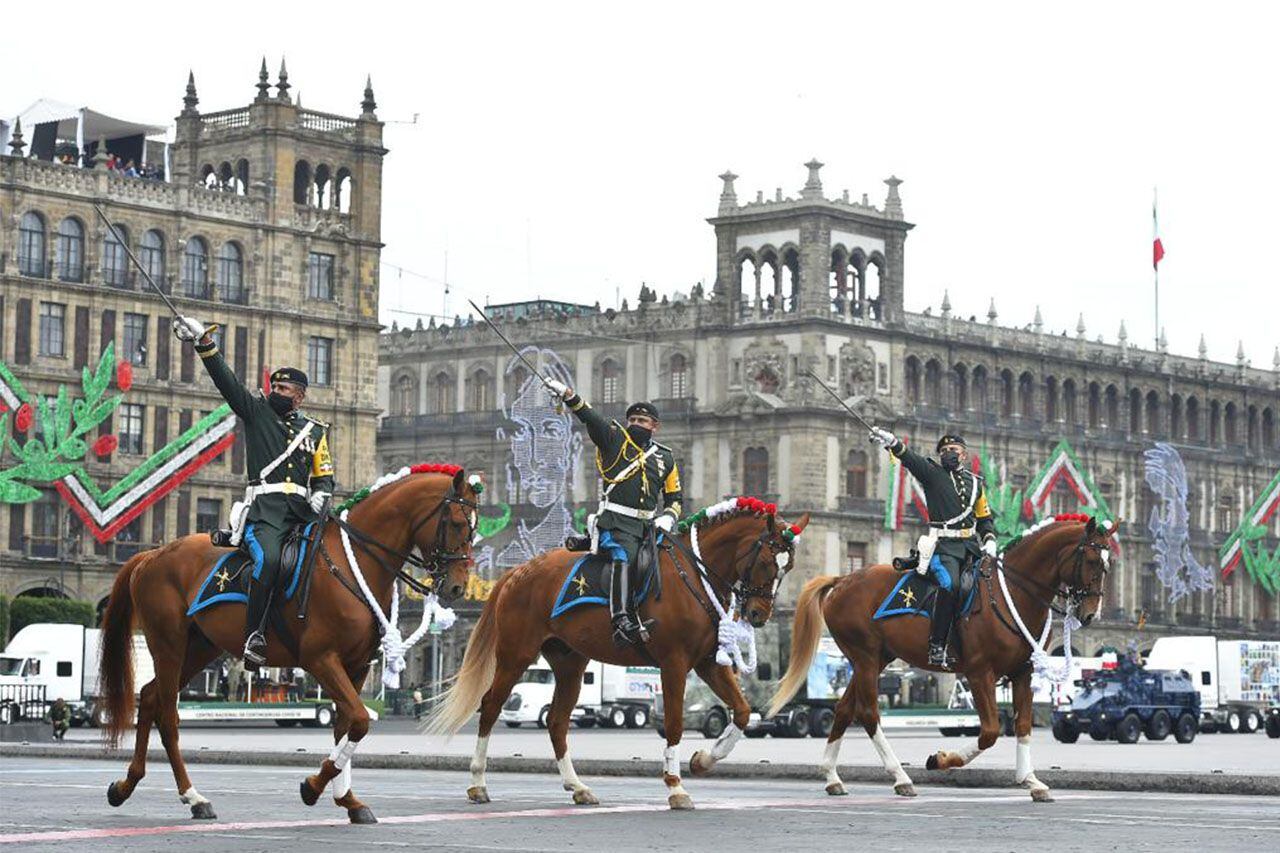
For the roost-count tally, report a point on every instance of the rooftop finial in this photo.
(282, 83)
(1204, 348)
(190, 100)
(1080, 327)
(1240, 359)
(1038, 322)
(1124, 334)
(991, 312)
(893, 202)
(15, 142)
(946, 303)
(264, 87)
(1275, 360)
(728, 197)
(1162, 343)
(812, 186)
(368, 105)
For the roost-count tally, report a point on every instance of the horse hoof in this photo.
(1041, 795)
(931, 763)
(584, 797)
(114, 797)
(309, 794)
(906, 789)
(363, 814)
(203, 811)
(478, 794)
(837, 789)
(700, 764)
(680, 802)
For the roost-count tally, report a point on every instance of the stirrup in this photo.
(255, 650)
(938, 656)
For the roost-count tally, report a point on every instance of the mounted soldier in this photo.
(291, 473)
(961, 529)
(640, 495)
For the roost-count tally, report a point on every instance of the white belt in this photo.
(953, 533)
(254, 492)
(629, 512)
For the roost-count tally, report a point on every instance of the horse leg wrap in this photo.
(343, 751)
(192, 797)
(478, 762)
(341, 784)
(831, 758)
(889, 758)
(671, 761)
(726, 742)
(568, 776)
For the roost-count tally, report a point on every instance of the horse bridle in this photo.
(740, 587)
(436, 563)
(1075, 591)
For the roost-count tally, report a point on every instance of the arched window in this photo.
(872, 277)
(1069, 410)
(442, 393)
(678, 368)
(242, 177)
(1026, 396)
(749, 287)
(69, 250)
(1135, 411)
(960, 387)
(226, 177)
(912, 379)
(343, 189)
(980, 396)
(1006, 394)
(1175, 417)
(1113, 408)
(230, 273)
(790, 280)
(479, 391)
(1095, 406)
(208, 177)
(610, 381)
(1193, 419)
(755, 471)
(1251, 428)
(151, 255)
(838, 282)
(933, 383)
(195, 269)
(1050, 400)
(1230, 431)
(32, 256)
(516, 377)
(404, 397)
(324, 187)
(769, 272)
(1153, 422)
(1268, 430)
(301, 182)
(1215, 422)
(115, 264)
(855, 474)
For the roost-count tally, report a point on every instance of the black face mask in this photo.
(640, 435)
(951, 460)
(280, 404)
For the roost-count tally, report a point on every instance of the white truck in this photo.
(613, 696)
(1239, 680)
(46, 661)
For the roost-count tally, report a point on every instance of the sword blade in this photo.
(136, 262)
(532, 369)
(857, 417)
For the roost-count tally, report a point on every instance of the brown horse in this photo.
(433, 512)
(745, 552)
(1065, 558)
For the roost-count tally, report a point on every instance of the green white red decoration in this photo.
(1064, 466)
(55, 453)
(1246, 544)
(741, 505)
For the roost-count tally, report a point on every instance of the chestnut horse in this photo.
(745, 552)
(434, 512)
(1065, 558)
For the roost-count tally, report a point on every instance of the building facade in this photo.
(268, 223)
(816, 284)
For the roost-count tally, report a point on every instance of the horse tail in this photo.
(805, 632)
(115, 666)
(473, 679)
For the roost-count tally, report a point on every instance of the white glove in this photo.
(188, 328)
(883, 437)
(563, 391)
(317, 501)
(989, 548)
(665, 522)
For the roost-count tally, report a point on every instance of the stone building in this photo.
(810, 283)
(268, 222)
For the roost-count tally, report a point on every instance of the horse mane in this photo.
(727, 510)
(1043, 528)
(395, 476)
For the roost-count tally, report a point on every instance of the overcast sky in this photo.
(570, 150)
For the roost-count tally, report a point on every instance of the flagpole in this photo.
(1155, 267)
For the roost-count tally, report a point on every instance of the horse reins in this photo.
(1075, 590)
(740, 587)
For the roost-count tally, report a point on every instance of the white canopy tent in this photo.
(85, 126)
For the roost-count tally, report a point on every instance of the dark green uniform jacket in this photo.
(266, 435)
(653, 487)
(947, 495)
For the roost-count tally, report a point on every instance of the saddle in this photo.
(588, 580)
(232, 573)
(914, 594)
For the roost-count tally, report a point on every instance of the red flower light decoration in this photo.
(796, 530)
(22, 420)
(105, 445)
(124, 376)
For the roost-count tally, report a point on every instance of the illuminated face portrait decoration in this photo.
(544, 447)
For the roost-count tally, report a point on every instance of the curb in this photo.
(1084, 780)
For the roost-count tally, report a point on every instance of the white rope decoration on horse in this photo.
(394, 645)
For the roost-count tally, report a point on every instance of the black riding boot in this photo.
(943, 611)
(627, 630)
(255, 625)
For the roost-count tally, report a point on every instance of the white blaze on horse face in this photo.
(782, 559)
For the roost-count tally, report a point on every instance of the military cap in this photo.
(642, 408)
(289, 374)
(950, 438)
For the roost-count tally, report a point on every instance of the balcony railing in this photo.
(863, 507)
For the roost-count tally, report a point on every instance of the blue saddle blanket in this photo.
(587, 584)
(914, 593)
(230, 576)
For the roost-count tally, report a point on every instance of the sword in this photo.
(514, 349)
(857, 417)
(136, 262)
